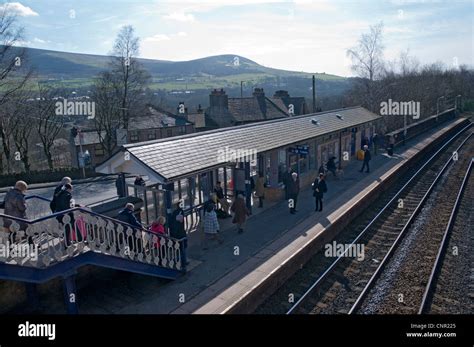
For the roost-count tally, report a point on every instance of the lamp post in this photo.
(456, 101)
(437, 107)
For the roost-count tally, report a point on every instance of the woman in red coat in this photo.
(158, 228)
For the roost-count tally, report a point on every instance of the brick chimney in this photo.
(260, 95)
(218, 99)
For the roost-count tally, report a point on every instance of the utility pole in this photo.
(82, 160)
(314, 94)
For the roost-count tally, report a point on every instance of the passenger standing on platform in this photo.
(120, 185)
(367, 158)
(260, 189)
(220, 196)
(319, 188)
(293, 191)
(241, 212)
(392, 142)
(331, 165)
(375, 142)
(177, 229)
(212, 201)
(211, 226)
(15, 205)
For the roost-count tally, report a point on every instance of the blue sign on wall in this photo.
(300, 149)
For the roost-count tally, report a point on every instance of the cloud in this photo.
(157, 38)
(38, 40)
(182, 33)
(106, 19)
(180, 17)
(18, 9)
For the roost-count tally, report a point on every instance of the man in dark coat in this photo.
(57, 190)
(367, 158)
(286, 182)
(375, 142)
(64, 201)
(177, 229)
(319, 188)
(293, 191)
(331, 165)
(127, 216)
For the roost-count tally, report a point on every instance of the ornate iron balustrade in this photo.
(61, 236)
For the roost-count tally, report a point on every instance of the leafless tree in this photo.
(129, 76)
(13, 74)
(48, 123)
(22, 133)
(108, 112)
(367, 61)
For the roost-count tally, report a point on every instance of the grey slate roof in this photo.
(178, 156)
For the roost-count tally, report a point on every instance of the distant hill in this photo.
(56, 64)
(189, 81)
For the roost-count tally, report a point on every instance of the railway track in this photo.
(333, 284)
(401, 284)
(451, 285)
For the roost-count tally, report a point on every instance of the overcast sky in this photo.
(300, 35)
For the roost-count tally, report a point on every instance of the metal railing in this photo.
(69, 233)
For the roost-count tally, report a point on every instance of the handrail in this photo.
(28, 197)
(81, 209)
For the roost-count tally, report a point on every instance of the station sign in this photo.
(300, 149)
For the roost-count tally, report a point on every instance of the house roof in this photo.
(250, 110)
(154, 118)
(183, 155)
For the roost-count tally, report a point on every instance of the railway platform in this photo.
(232, 277)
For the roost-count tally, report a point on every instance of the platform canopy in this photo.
(178, 157)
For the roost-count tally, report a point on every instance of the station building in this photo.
(187, 167)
